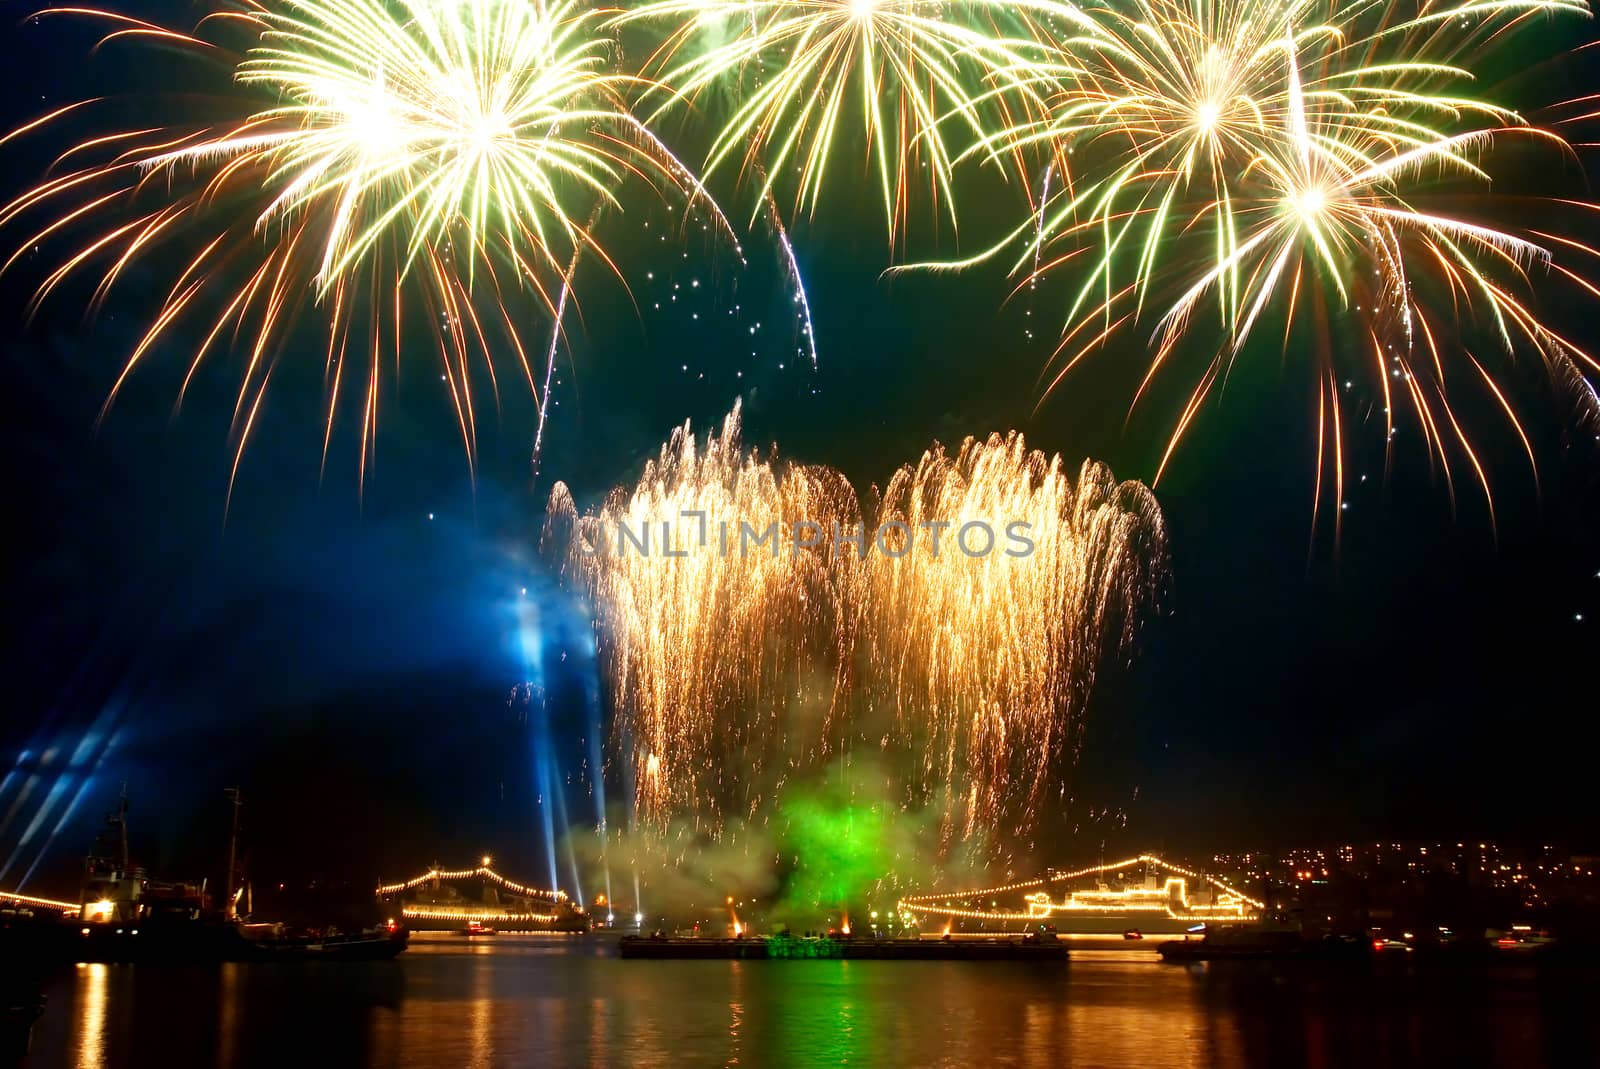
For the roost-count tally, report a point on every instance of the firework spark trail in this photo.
(410, 162)
(792, 266)
(812, 73)
(557, 329)
(733, 669)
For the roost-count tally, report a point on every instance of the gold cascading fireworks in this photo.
(988, 659)
(812, 75)
(711, 652)
(1310, 157)
(965, 667)
(379, 158)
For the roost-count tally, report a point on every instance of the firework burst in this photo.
(900, 80)
(415, 162)
(1227, 159)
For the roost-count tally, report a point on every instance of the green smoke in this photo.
(845, 844)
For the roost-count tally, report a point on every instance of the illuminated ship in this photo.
(461, 900)
(1141, 895)
(123, 915)
(116, 892)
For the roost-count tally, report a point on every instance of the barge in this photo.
(1041, 947)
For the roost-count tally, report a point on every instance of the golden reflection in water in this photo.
(1175, 1029)
(89, 1010)
(384, 1037)
(227, 1012)
(450, 1025)
(599, 1026)
(635, 1017)
(482, 1009)
(735, 1011)
(1044, 1027)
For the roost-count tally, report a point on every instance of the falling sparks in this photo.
(957, 634)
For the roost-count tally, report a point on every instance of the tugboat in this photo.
(125, 916)
(373, 944)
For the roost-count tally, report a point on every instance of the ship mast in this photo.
(234, 796)
(122, 829)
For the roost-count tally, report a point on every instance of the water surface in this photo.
(548, 1001)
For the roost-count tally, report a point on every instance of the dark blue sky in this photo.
(347, 659)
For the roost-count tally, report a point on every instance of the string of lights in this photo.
(483, 871)
(1170, 898)
(480, 915)
(31, 900)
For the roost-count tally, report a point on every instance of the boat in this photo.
(126, 916)
(1233, 942)
(373, 945)
(1522, 939)
(1040, 946)
(1142, 894)
(213, 940)
(479, 901)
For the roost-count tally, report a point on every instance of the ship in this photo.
(478, 901)
(125, 915)
(1140, 897)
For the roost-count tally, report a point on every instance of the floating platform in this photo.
(778, 947)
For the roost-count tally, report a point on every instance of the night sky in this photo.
(346, 656)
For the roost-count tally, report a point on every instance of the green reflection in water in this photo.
(826, 1019)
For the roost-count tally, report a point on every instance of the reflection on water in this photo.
(90, 1011)
(482, 1014)
(228, 1012)
(538, 1001)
